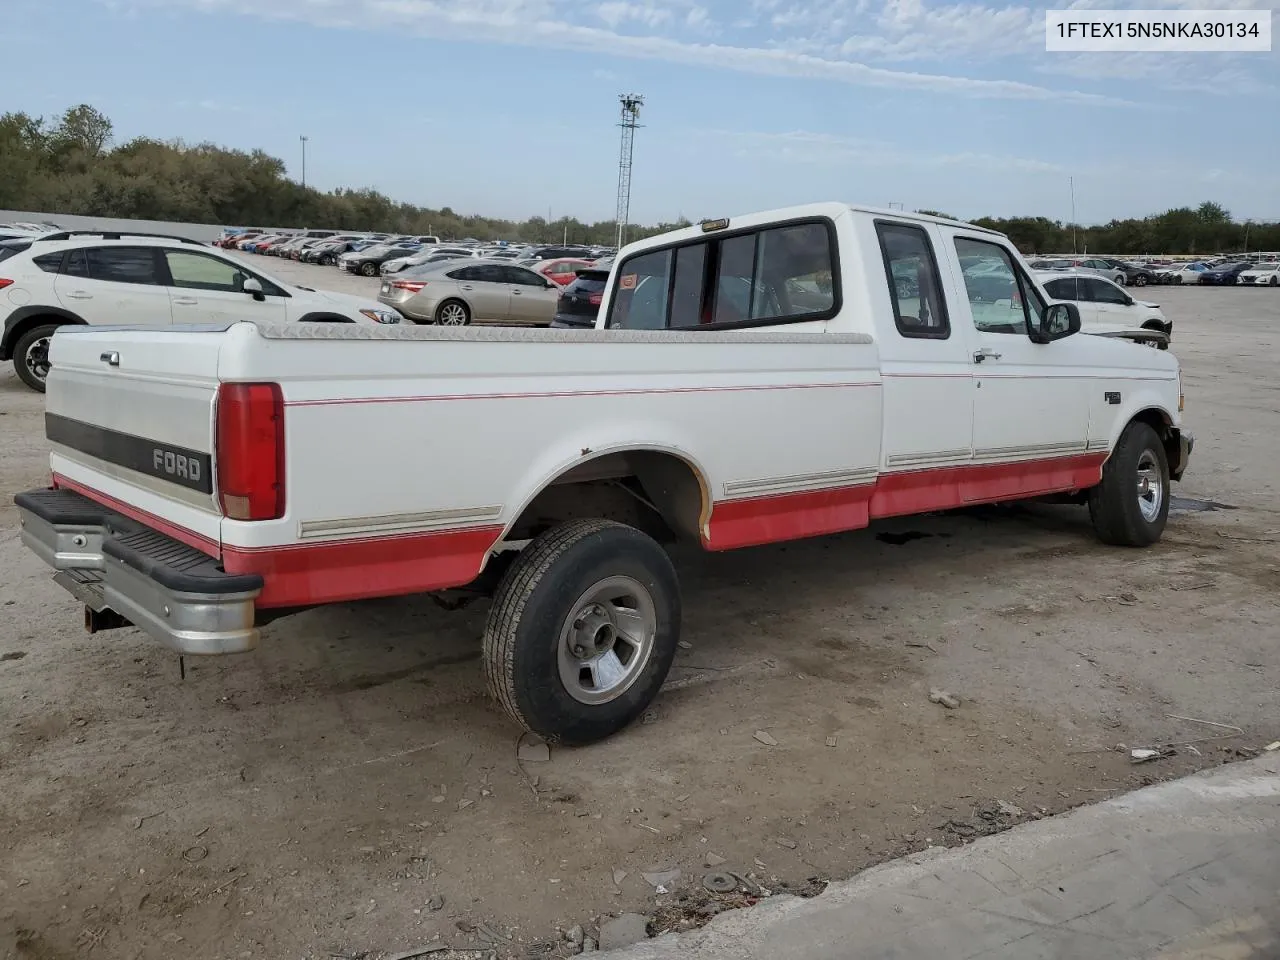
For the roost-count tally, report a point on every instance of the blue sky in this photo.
(508, 107)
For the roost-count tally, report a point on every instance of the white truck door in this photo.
(115, 285)
(924, 360)
(205, 289)
(1030, 399)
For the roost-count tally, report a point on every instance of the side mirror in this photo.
(549, 283)
(1057, 321)
(253, 287)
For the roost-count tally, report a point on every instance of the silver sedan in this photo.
(459, 292)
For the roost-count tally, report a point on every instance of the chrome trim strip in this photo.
(926, 459)
(397, 523)
(800, 482)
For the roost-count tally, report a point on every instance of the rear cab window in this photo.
(911, 270)
(774, 274)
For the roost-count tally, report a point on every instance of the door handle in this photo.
(467, 286)
(516, 293)
(186, 301)
(79, 295)
(111, 359)
(986, 353)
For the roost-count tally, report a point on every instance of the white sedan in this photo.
(1184, 273)
(1261, 275)
(1106, 308)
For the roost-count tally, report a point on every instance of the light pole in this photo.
(303, 140)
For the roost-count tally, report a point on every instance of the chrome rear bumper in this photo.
(177, 594)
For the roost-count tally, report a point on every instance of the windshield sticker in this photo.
(628, 281)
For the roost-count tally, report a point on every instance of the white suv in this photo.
(142, 280)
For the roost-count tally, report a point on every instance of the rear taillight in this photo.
(5, 283)
(413, 286)
(249, 442)
(595, 299)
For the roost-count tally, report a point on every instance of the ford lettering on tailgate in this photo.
(187, 468)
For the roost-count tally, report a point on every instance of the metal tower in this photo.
(631, 104)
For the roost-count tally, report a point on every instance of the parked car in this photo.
(1135, 274)
(428, 254)
(555, 253)
(561, 271)
(1224, 274)
(456, 293)
(1261, 274)
(286, 248)
(77, 278)
(579, 304)
(1107, 310)
(1182, 273)
(764, 418)
(367, 261)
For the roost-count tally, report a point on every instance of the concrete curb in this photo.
(1193, 858)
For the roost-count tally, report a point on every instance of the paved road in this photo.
(1187, 870)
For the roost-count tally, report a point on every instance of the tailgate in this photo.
(129, 417)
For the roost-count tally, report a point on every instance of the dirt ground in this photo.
(311, 799)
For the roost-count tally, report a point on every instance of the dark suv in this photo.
(580, 302)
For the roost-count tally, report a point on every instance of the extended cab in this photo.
(760, 379)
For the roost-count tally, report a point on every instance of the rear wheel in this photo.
(582, 631)
(1140, 281)
(453, 313)
(1130, 507)
(31, 355)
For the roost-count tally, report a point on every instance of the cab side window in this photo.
(919, 309)
(772, 275)
(1002, 298)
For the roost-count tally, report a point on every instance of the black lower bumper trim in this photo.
(168, 562)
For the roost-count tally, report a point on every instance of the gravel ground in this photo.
(310, 799)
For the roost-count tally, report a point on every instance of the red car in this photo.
(561, 271)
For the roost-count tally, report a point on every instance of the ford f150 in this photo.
(765, 378)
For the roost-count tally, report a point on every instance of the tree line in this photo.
(71, 164)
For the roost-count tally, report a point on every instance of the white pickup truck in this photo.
(753, 380)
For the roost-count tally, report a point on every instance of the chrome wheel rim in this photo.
(37, 358)
(453, 315)
(607, 640)
(1150, 486)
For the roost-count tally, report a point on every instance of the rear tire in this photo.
(1130, 507)
(31, 355)
(453, 313)
(582, 631)
(1139, 281)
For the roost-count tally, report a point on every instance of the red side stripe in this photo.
(791, 516)
(304, 574)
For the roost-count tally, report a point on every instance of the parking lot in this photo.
(348, 790)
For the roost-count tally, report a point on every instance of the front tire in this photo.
(582, 632)
(31, 356)
(369, 269)
(1139, 281)
(1130, 507)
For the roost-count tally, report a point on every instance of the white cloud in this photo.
(555, 24)
(803, 146)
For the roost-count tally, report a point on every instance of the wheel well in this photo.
(1160, 422)
(655, 491)
(17, 330)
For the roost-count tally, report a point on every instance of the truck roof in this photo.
(831, 209)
